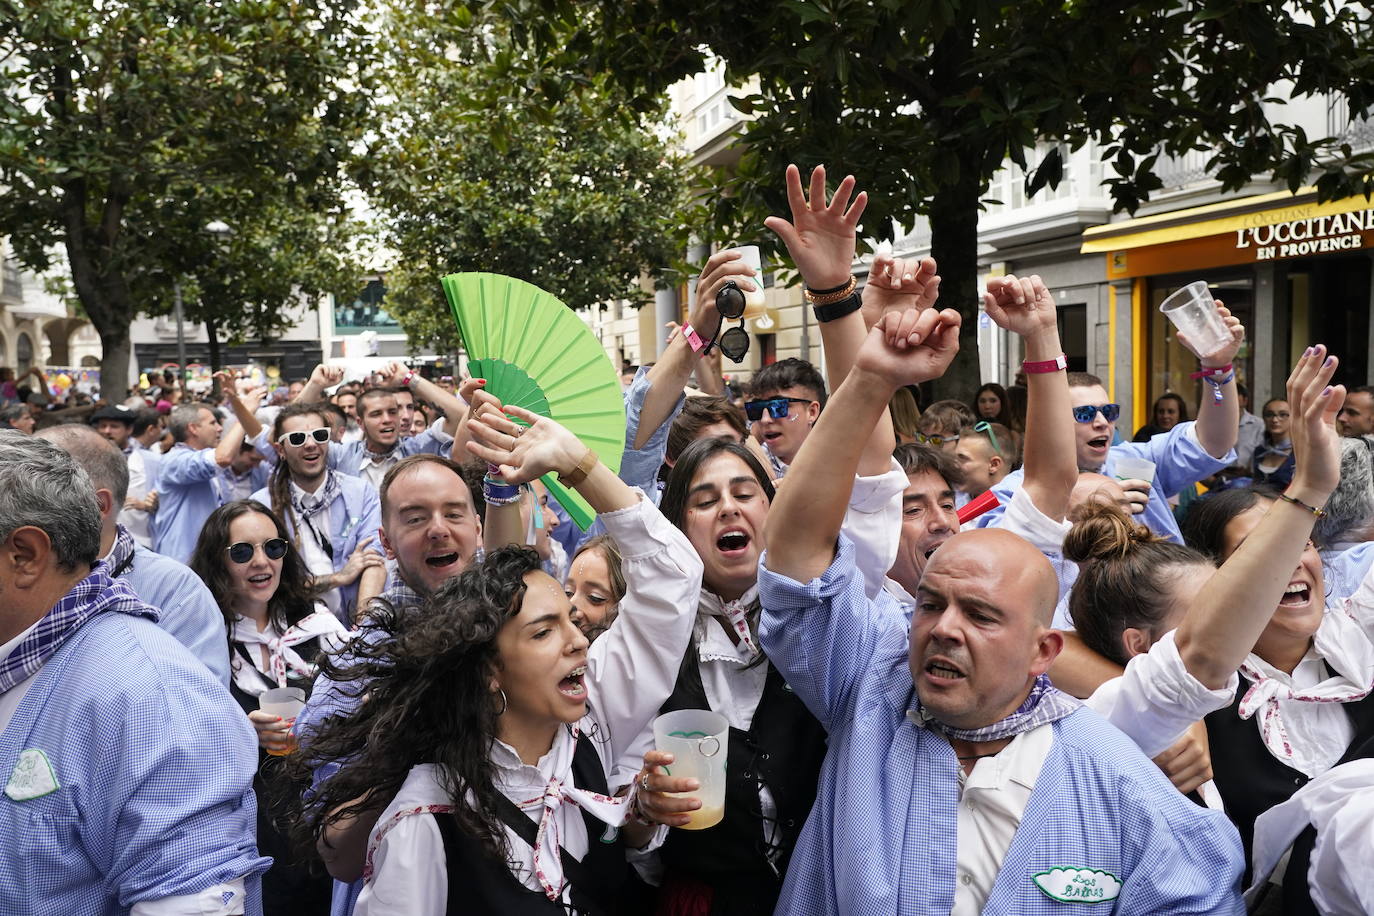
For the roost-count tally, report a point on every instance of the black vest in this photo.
(481, 884)
(1251, 780)
(783, 749)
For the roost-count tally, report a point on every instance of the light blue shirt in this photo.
(882, 838)
(185, 608)
(190, 486)
(154, 763)
(1344, 570)
(355, 516)
(1179, 458)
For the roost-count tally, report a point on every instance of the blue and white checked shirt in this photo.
(1179, 458)
(154, 763)
(190, 485)
(882, 837)
(185, 608)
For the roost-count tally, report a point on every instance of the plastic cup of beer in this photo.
(1129, 468)
(1194, 312)
(698, 740)
(753, 298)
(286, 702)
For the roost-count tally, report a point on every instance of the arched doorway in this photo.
(23, 355)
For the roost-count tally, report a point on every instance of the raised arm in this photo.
(245, 416)
(821, 240)
(669, 375)
(1227, 616)
(399, 375)
(1026, 308)
(805, 520)
(323, 377)
(1218, 420)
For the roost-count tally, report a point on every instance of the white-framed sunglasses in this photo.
(297, 439)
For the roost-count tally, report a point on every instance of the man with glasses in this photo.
(1184, 455)
(784, 401)
(332, 518)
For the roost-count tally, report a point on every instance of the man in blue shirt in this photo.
(127, 766)
(191, 478)
(958, 780)
(185, 608)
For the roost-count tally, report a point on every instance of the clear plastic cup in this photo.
(1129, 468)
(753, 299)
(1194, 312)
(698, 739)
(286, 702)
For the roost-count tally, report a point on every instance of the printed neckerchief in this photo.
(281, 657)
(559, 788)
(122, 554)
(737, 612)
(95, 594)
(308, 505)
(1044, 704)
(1342, 644)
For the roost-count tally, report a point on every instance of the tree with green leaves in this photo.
(580, 198)
(925, 101)
(127, 127)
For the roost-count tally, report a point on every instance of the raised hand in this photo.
(898, 284)
(522, 453)
(393, 374)
(820, 237)
(1227, 353)
(719, 269)
(326, 376)
(1022, 305)
(909, 347)
(1316, 444)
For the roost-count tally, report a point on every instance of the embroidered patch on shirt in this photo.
(1078, 885)
(33, 777)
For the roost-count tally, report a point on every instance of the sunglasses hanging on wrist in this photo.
(734, 342)
(272, 548)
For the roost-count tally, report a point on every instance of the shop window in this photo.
(1328, 302)
(1170, 363)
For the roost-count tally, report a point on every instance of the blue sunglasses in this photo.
(1088, 412)
(777, 407)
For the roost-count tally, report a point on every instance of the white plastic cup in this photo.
(1128, 468)
(1194, 312)
(749, 254)
(286, 702)
(698, 739)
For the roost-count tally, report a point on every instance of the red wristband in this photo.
(1212, 371)
(1057, 364)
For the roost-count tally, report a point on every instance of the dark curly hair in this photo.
(429, 700)
(294, 599)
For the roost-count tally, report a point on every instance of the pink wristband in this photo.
(1049, 365)
(693, 338)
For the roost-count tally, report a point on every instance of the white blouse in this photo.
(631, 671)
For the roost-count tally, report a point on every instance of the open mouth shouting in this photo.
(943, 672)
(261, 580)
(574, 686)
(1100, 444)
(733, 543)
(1297, 594)
(441, 560)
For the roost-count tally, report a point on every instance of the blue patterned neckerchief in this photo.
(122, 554)
(95, 594)
(1044, 704)
(308, 505)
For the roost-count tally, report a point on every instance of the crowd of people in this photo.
(966, 663)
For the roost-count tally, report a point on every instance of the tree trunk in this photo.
(115, 353)
(954, 246)
(212, 335)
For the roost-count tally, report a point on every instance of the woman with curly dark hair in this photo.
(491, 724)
(276, 630)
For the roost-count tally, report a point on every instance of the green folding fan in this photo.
(535, 353)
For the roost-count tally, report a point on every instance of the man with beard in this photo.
(432, 529)
(331, 517)
(963, 781)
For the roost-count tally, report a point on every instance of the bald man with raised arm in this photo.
(958, 780)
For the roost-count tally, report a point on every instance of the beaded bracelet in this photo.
(499, 493)
(1319, 513)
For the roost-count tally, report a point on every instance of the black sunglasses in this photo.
(1088, 412)
(734, 342)
(272, 548)
(297, 439)
(777, 407)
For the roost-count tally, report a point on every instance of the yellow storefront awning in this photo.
(1215, 219)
